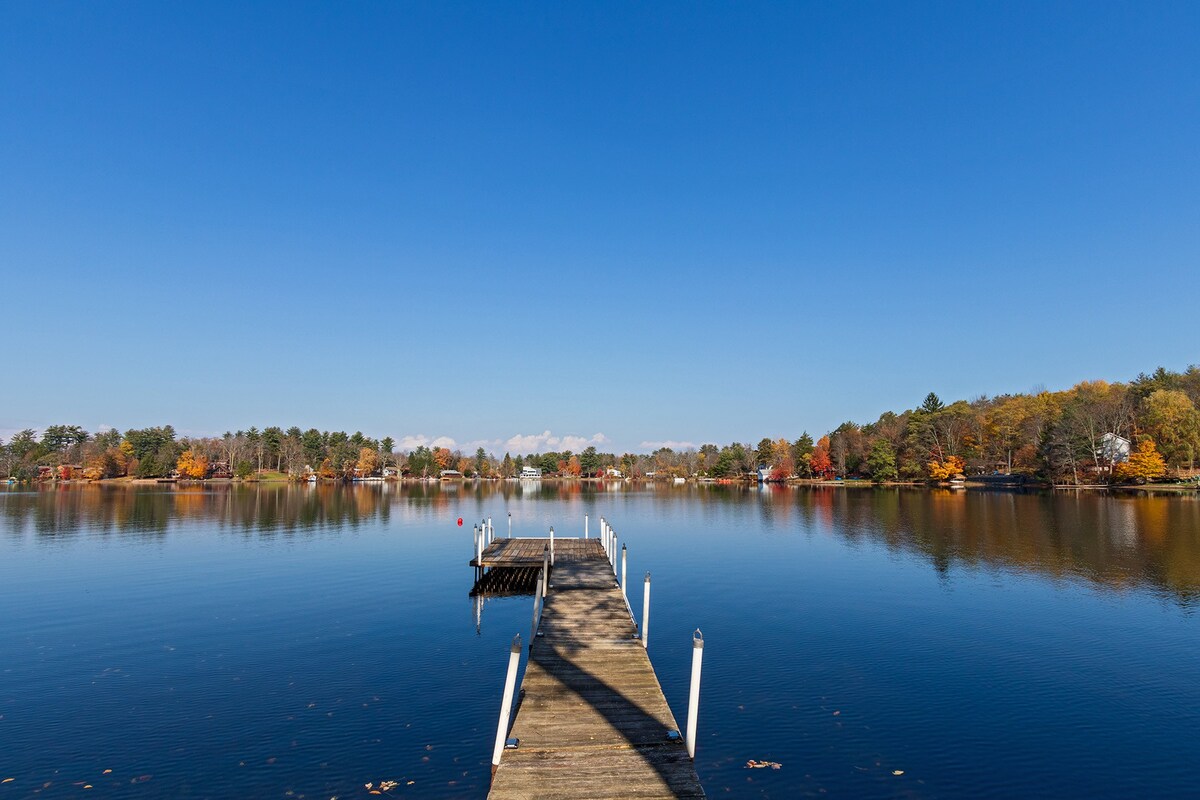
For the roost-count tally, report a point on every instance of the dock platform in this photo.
(591, 719)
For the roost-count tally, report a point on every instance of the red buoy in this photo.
(460, 522)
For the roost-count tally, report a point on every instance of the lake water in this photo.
(299, 642)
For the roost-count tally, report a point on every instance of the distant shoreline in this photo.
(974, 483)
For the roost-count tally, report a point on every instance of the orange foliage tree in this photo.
(574, 468)
(192, 465)
(443, 457)
(944, 470)
(819, 461)
(1144, 464)
(368, 461)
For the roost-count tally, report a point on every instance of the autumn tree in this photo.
(442, 457)
(819, 462)
(945, 469)
(192, 465)
(1144, 464)
(368, 462)
(1172, 421)
(574, 467)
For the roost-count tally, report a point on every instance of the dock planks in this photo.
(528, 552)
(592, 719)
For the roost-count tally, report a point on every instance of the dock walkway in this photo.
(592, 721)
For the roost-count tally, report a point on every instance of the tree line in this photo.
(1094, 431)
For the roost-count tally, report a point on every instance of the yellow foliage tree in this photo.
(368, 461)
(944, 470)
(1144, 464)
(192, 465)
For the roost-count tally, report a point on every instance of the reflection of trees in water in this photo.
(265, 509)
(1117, 541)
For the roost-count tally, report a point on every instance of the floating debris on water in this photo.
(752, 764)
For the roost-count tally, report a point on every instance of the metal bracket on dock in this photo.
(674, 736)
(513, 743)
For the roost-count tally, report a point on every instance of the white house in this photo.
(613, 472)
(533, 473)
(1113, 449)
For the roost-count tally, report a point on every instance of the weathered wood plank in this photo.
(592, 720)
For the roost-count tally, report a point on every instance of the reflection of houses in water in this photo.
(1122, 524)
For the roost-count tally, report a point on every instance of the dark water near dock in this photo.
(280, 641)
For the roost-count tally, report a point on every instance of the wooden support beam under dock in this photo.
(592, 721)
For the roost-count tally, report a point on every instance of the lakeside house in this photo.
(450, 475)
(531, 473)
(1113, 449)
(613, 472)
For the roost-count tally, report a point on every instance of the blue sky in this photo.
(625, 223)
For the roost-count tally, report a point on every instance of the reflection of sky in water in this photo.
(252, 641)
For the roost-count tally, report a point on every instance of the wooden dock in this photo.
(591, 719)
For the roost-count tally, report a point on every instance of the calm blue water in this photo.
(299, 642)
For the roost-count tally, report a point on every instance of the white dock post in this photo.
(694, 694)
(510, 524)
(510, 683)
(478, 547)
(614, 556)
(545, 569)
(646, 613)
(585, 526)
(624, 563)
(537, 607)
(491, 531)
(551, 545)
